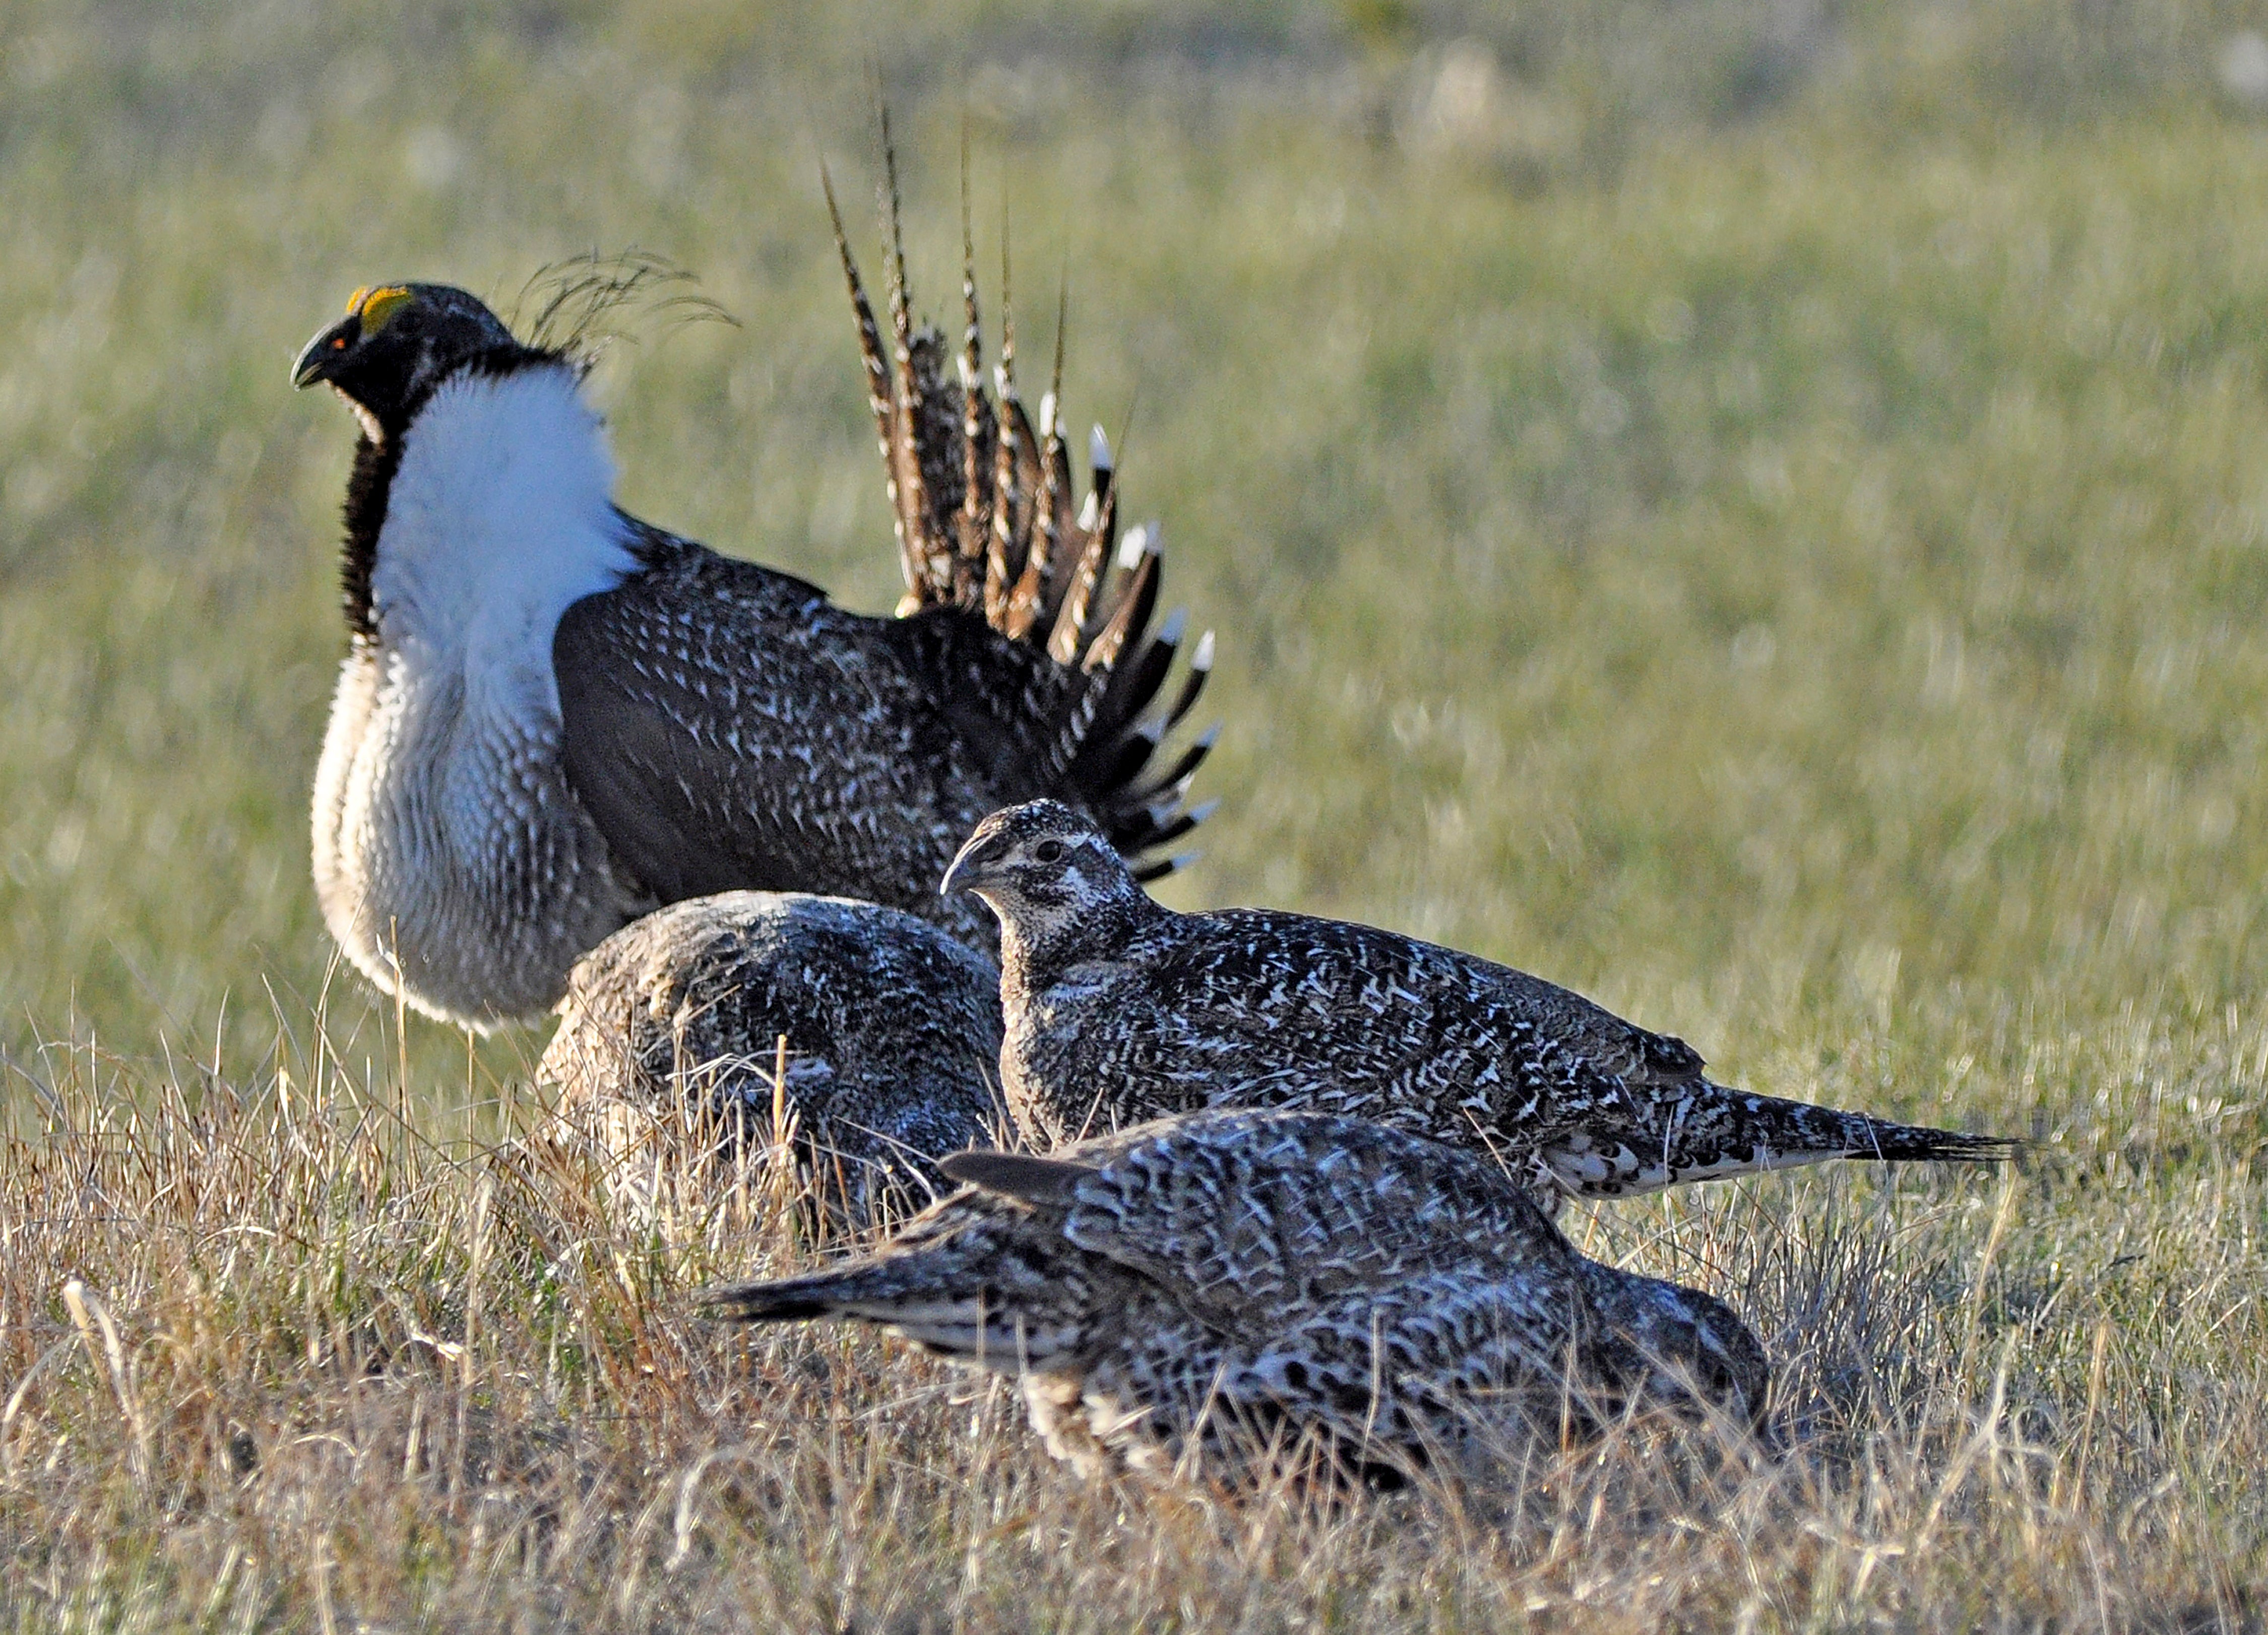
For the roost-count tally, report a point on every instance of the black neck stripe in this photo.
(367, 486)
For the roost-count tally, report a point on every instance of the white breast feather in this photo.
(500, 515)
(440, 801)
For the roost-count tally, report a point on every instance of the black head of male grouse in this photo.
(553, 716)
(1119, 1010)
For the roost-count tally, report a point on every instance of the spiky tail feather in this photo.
(1749, 1132)
(983, 508)
(934, 1300)
(1903, 1141)
(791, 1300)
(1835, 1132)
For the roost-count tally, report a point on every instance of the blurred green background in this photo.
(1750, 508)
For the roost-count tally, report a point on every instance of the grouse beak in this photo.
(320, 356)
(971, 870)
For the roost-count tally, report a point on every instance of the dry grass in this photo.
(279, 1358)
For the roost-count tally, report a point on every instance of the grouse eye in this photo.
(1048, 852)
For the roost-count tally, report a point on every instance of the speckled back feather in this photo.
(889, 1030)
(1120, 1010)
(1217, 1280)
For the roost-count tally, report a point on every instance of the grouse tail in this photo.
(935, 1297)
(1741, 1133)
(988, 520)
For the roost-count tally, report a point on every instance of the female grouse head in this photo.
(396, 343)
(1056, 881)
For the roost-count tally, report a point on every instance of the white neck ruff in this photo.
(499, 516)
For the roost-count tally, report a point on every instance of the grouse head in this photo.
(1049, 872)
(396, 343)
(1680, 1349)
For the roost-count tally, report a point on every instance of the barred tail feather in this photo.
(891, 1288)
(937, 1298)
(1742, 1135)
(984, 506)
(1902, 1142)
(975, 502)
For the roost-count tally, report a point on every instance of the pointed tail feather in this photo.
(926, 562)
(789, 1300)
(1804, 1132)
(1037, 586)
(879, 397)
(983, 506)
(1734, 1133)
(922, 1300)
(1901, 1143)
(939, 1299)
(975, 504)
(1004, 558)
(1173, 783)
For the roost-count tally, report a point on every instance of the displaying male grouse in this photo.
(674, 1028)
(1119, 1010)
(1257, 1280)
(554, 715)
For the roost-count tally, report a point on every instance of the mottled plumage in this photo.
(892, 1033)
(1118, 1010)
(1227, 1281)
(554, 715)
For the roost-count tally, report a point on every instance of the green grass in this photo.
(1760, 520)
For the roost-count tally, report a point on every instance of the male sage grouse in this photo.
(1229, 1283)
(554, 715)
(674, 1029)
(1119, 1010)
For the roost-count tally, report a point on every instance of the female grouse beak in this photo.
(972, 868)
(320, 356)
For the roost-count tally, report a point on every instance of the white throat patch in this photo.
(499, 516)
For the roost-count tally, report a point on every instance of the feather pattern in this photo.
(963, 467)
(681, 723)
(1225, 1284)
(890, 1031)
(1120, 1010)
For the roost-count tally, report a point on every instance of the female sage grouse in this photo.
(1118, 1010)
(554, 715)
(673, 1029)
(1284, 1282)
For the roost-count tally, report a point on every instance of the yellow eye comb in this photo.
(375, 307)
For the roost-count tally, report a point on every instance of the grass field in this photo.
(1753, 511)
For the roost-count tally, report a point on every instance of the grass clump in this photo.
(279, 1357)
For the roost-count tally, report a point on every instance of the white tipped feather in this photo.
(1164, 811)
(1130, 548)
(1098, 450)
(1202, 659)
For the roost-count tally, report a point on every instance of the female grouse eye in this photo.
(1048, 852)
